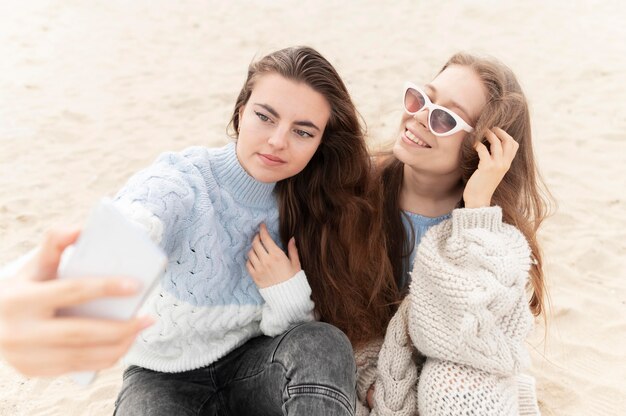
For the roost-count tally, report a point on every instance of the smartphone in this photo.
(111, 245)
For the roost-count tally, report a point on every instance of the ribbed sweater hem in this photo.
(191, 358)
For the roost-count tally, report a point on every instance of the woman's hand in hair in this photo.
(35, 341)
(268, 264)
(493, 165)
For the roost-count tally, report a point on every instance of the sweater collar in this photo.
(244, 188)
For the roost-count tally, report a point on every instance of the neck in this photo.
(429, 194)
(232, 177)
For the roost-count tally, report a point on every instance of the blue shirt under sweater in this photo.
(420, 224)
(208, 210)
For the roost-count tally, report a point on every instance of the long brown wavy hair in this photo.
(522, 194)
(332, 207)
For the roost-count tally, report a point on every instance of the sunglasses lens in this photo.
(441, 121)
(413, 100)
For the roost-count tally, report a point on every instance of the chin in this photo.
(267, 176)
(399, 152)
(261, 176)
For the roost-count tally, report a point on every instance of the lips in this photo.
(270, 160)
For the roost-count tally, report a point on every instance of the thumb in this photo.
(55, 242)
(293, 253)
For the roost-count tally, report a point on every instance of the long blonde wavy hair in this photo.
(522, 194)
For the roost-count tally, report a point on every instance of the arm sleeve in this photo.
(395, 392)
(366, 358)
(136, 213)
(161, 198)
(158, 199)
(286, 304)
(447, 388)
(527, 394)
(468, 296)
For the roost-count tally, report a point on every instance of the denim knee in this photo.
(318, 352)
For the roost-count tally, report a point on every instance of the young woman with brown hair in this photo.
(462, 206)
(234, 330)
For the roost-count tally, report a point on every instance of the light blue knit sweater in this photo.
(204, 210)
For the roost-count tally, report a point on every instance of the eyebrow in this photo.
(452, 102)
(303, 123)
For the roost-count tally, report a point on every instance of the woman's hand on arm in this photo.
(37, 342)
(267, 264)
(282, 283)
(492, 166)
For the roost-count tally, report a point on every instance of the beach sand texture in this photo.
(91, 92)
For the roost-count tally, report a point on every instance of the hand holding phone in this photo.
(111, 245)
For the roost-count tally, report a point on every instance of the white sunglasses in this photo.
(441, 121)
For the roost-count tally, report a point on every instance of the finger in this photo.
(70, 292)
(81, 332)
(254, 260)
(483, 152)
(292, 249)
(267, 240)
(509, 145)
(251, 269)
(258, 247)
(495, 145)
(54, 243)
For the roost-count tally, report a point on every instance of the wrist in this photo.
(489, 218)
(477, 202)
(274, 280)
(290, 298)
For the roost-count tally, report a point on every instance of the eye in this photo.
(303, 133)
(262, 116)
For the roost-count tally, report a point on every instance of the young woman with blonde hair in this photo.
(462, 205)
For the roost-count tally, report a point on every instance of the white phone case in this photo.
(110, 245)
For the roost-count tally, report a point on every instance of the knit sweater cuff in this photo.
(290, 301)
(489, 218)
(365, 381)
(527, 395)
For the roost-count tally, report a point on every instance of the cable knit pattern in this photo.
(466, 303)
(468, 299)
(204, 210)
(396, 386)
(366, 358)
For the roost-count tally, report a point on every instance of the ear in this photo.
(239, 115)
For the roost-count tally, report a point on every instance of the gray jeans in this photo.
(309, 370)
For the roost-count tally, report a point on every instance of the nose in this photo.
(422, 116)
(278, 139)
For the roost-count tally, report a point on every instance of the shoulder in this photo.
(190, 163)
(189, 158)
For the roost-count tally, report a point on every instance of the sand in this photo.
(91, 92)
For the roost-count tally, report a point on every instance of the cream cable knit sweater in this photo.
(467, 315)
